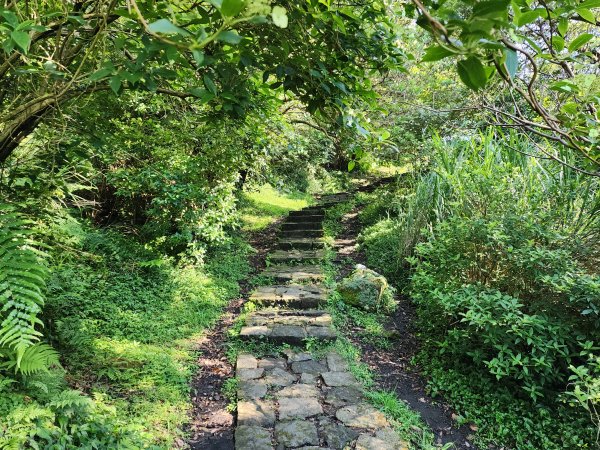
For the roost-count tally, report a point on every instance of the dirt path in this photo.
(213, 426)
(393, 366)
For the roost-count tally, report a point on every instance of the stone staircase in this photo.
(292, 401)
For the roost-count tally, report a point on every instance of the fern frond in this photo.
(30, 360)
(22, 286)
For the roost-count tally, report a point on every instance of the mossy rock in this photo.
(367, 290)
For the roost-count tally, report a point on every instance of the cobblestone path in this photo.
(293, 401)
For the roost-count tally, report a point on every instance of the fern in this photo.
(22, 285)
(35, 358)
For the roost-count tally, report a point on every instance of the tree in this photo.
(215, 52)
(545, 52)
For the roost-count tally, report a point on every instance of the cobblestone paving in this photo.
(296, 402)
(293, 401)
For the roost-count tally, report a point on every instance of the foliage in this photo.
(22, 289)
(586, 389)
(368, 290)
(502, 418)
(517, 40)
(263, 205)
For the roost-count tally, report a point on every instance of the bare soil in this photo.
(393, 368)
(212, 426)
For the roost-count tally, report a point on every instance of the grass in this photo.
(127, 331)
(262, 207)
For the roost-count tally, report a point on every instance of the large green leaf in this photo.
(164, 26)
(512, 61)
(230, 37)
(22, 40)
(436, 53)
(230, 8)
(580, 41)
(472, 73)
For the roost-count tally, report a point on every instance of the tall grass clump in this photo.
(499, 251)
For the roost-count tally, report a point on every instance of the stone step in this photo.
(302, 226)
(313, 218)
(332, 199)
(300, 256)
(288, 326)
(284, 273)
(303, 296)
(287, 234)
(301, 243)
(308, 212)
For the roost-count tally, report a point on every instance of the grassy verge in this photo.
(266, 204)
(126, 320)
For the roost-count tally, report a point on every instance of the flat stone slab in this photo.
(246, 361)
(280, 377)
(300, 256)
(298, 408)
(312, 367)
(290, 224)
(249, 437)
(303, 233)
(295, 433)
(301, 243)
(299, 390)
(284, 273)
(288, 325)
(252, 390)
(343, 395)
(334, 379)
(256, 412)
(309, 217)
(249, 374)
(301, 296)
(362, 415)
(336, 435)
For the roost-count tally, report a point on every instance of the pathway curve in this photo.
(294, 401)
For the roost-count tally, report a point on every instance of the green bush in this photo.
(483, 286)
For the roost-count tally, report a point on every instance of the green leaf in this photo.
(351, 165)
(528, 17)
(230, 37)
(99, 74)
(210, 84)
(558, 43)
(198, 56)
(472, 73)
(279, 16)
(115, 84)
(230, 8)
(436, 53)
(580, 41)
(586, 15)
(165, 26)
(22, 40)
(590, 4)
(563, 26)
(490, 7)
(512, 61)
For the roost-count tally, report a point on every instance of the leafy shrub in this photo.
(482, 285)
(367, 290)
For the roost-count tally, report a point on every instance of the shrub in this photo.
(484, 289)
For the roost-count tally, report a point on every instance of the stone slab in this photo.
(298, 408)
(301, 243)
(295, 433)
(361, 415)
(334, 379)
(249, 437)
(299, 273)
(256, 412)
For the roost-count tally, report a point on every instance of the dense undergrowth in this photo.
(125, 319)
(497, 250)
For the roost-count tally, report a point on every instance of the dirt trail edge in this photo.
(393, 367)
